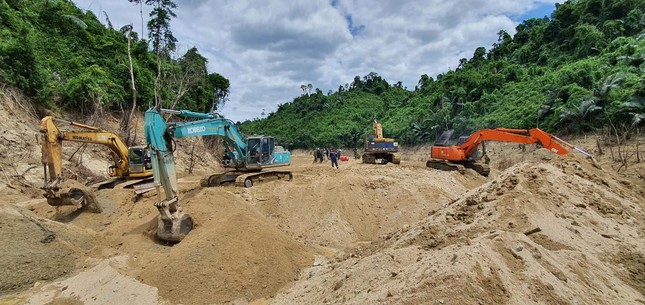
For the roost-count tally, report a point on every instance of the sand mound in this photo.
(35, 249)
(552, 230)
(561, 232)
(234, 253)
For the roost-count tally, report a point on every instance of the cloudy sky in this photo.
(268, 49)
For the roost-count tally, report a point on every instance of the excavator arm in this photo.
(458, 157)
(378, 130)
(53, 137)
(212, 125)
(521, 136)
(173, 224)
(51, 144)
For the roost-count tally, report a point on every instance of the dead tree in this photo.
(126, 121)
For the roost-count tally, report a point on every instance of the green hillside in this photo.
(581, 69)
(64, 58)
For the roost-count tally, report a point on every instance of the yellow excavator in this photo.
(131, 164)
(380, 148)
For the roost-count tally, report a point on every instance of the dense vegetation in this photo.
(581, 69)
(66, 59)
(578, 70)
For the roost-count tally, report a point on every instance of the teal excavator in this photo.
(245, 158)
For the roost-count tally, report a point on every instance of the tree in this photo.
(127, 116)
(587, 40)
(220, 85)
(192, 73)
(163, 41)
(140, 2)
(580, 118)
(634, 108)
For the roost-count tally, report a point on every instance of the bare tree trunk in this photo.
(141, 13)
(192, 159)
(157, 102)
(184, 83)
(127, 117)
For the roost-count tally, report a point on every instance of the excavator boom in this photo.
(51, 144)
(248, 156)
(458, 157)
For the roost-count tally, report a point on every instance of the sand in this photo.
(541, 229)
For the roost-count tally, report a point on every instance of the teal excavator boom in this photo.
(245, 156)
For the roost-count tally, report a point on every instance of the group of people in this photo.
(332, 154)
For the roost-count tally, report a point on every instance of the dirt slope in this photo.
(541, 229)
(561, 232)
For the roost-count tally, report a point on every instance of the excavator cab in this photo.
(140, 164)
(260, 151)
(444, 139)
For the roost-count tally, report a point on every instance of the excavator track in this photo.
(480, 168)
(244, 179)
(396, 159)
(384, 158)
(445, 166)
(119, 183)
(219, 179)
(368, 159)
(249, 179)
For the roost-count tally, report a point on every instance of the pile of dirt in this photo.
(234, 253)
(541, 228)
(556, 232)
(36, 249)
(250, 243)
(19, 154)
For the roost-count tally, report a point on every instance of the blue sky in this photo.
(268, 49)
(544, 9)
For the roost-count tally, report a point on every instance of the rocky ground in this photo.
(541, 229)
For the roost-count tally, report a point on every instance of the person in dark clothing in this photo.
(333, 156)
(320, 155)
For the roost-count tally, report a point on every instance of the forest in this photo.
(63, 58)
(579, 70)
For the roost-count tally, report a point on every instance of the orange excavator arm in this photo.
(521, 136)
(466, 150)
(461, 156)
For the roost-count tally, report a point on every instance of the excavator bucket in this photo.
(175, 229)
(73, 193)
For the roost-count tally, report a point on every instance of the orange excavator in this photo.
(465, 154)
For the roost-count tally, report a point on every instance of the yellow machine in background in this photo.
(379, 148)
(131, 163)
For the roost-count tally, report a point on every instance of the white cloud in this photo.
(267, 49)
